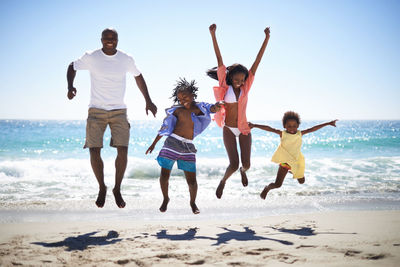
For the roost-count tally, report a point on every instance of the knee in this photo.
(246, 166)
(122, 151)
(191, 179)
(234, 165)
(192, 182)
(301, 180)
(95, 150)
(95, 153)
(164, 176)
(277, 185)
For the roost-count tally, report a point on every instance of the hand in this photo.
(267, 32)
(217, 106)
(150, 149)
(333, 123)
(251, 125)
(71, 93)
(212, 28)
(153, 108)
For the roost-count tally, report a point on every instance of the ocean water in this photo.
(45, 173)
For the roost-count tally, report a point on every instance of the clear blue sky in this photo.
(325, 59)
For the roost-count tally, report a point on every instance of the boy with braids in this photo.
(182, 124)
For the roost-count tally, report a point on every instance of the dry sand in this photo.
(339, 238)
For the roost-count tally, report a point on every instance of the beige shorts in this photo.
(97, 122)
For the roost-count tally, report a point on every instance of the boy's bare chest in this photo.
(186, 114)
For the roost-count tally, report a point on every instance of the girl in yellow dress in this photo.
(288, 155)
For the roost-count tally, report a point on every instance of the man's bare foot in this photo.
(195, 209)
(245, 182)
(264, 193)
(164, 205)
(118, 199)
(101, 197)
(220, 189)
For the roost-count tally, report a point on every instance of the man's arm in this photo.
(319, 126)
(143, 88)
(261, 52)
(70, 79)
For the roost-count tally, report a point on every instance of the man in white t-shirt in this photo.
(108, 68)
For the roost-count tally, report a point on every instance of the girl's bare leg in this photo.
(280, 176)
(192, 183)
(231, 150)
(164, 181)
(245, 153)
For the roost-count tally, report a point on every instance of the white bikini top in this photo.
(230, 96)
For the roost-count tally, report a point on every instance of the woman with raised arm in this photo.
(234, 86)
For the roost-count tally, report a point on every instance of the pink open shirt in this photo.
(219, 93)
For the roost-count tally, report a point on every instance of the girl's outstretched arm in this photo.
(212, 29)
(265, 128)
(319, 126)
(261, 52)
(151, 148)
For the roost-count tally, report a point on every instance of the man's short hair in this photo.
(109, 30)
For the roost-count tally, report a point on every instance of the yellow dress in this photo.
(289, 151)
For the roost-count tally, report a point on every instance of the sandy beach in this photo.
(338, 238)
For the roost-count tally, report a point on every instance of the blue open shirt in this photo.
(200, 121)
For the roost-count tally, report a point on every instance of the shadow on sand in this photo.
(81, 242)
(307, 231)
(222, 238)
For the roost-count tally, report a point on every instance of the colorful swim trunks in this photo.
(178, 149)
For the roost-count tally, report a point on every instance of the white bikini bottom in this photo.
(234, 130)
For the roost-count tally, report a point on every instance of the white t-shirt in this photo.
(108, 77)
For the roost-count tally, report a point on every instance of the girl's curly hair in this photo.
(183, 86)
(290, 115)
(231, 70)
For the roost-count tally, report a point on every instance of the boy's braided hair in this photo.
(183, 86)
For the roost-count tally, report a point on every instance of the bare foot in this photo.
(220, 189)
(245, 182)
(264, 193)
(301, 180)
(164, 205)
(195, 209)
(101, 197)
(118, 199)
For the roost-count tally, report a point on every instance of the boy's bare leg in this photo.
(98, 167)
(301, 180)
(280, 176)
(164, 178)
(192, 183)
(245, 152)
(231, 150)
(120, 167)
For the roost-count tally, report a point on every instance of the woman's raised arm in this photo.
(261, 52)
